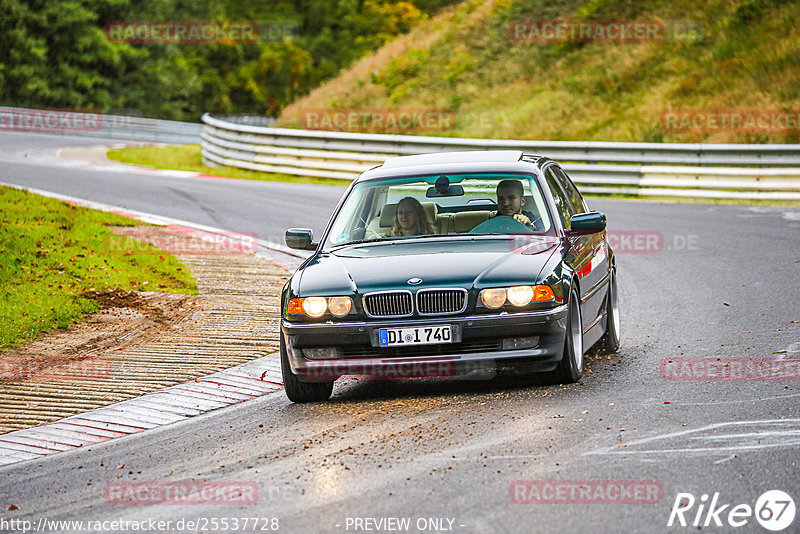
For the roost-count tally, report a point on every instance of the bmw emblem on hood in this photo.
(415, 281)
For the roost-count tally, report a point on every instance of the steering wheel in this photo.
(501, 224)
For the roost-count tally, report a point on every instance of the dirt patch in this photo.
(126, 318)
(158, 307)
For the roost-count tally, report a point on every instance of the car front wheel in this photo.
(570, 368)
(610, 340)
(297, 390)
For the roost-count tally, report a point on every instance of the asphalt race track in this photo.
(696, 281)
(265, 211)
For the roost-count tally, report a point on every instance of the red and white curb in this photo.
(176, 403)
(169, 405)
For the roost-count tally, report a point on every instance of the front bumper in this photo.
(479, 340)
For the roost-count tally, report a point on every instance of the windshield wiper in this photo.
(359, 242)
(429, 236)
(391, 240)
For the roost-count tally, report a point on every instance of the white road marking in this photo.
(750, 435)
(791, 215)
(768, 439)
(740, 401)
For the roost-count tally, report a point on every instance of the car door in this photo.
(581, 251)
(595, 267)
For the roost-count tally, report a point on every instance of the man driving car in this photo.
(510, 200)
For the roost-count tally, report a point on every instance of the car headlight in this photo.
(516, 296)
(493, 298)
(316, 307)
(340, 306)
(520, 295)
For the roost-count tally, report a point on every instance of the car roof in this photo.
(453, 162)
(474, 156)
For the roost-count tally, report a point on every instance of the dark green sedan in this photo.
(439, 264)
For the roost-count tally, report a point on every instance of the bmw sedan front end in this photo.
(421, 272)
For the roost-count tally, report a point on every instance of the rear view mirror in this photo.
(587, 223)
(300, 238)
(449, 191)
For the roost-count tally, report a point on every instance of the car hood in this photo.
(449, 262)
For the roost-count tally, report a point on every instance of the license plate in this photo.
(418, 335)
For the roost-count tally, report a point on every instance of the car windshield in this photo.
(441, 205)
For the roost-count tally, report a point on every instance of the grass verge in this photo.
(53, 253)
(188, 158)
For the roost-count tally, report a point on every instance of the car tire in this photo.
(610, 340)
(298, 390)
(570, 368)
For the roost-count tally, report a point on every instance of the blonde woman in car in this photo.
(410, 219)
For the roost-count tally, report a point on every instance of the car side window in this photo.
(565, 209)
(569, 188)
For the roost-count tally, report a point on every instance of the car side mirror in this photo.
(300, 238)
(587, 223)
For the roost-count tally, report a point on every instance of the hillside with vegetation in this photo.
(712, 60)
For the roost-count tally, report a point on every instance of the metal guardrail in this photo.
(87, 124)
(764, 172)
(250, 120)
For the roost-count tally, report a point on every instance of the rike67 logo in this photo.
(774, 510)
